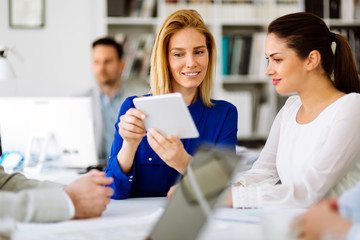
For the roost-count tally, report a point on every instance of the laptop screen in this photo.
(198, 194)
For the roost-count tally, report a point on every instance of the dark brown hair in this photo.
(109, 41)
(305, 32)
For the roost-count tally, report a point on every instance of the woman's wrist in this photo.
(186, 162)
(126, 156)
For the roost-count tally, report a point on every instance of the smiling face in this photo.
(188, 59)
(286, 69)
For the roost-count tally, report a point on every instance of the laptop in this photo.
(199, 193)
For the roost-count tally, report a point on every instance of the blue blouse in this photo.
(152, 177)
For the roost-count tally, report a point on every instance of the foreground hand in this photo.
(131, 126)
(171, 191)
(171, 150)
(228, 198)
(320, 219)
(88, 194)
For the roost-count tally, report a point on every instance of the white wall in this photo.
(57, 58)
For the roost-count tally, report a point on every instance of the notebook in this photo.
(199, 193)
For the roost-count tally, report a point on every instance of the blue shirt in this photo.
(349, 208)
(109, 108)
(152, 177)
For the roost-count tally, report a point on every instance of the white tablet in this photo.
(168, 114)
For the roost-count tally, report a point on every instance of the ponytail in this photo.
(346, 76)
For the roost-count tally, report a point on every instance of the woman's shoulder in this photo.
(128, 102)
(293, 101)
(222, 104)
(352, 97)
(129, 99)
(349, 101)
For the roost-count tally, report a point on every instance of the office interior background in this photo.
(55, 59)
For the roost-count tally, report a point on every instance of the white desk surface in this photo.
(134, 218)
(123, 219)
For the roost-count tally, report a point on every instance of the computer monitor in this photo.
(59, 130)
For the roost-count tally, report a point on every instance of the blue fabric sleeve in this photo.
(349, 206)
(228, 137)
(354, 233)
(122, 182)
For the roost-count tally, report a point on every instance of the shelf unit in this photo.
(253, 94)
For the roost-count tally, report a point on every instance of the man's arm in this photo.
(17, 182)
(35, 205)
(47, 202)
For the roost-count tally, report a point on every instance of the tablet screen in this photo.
(168, 114)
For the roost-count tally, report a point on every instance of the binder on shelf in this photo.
(117, 8)
(334, 7)
(357, 10)
(315, 7)
(148, 8)
(146, 57)
(258, 62)
(131, 8)
(245, 55)
(347, 10)
(130, 47)
(236, 56)
(135, 7)
(137, 56)
(225, 55)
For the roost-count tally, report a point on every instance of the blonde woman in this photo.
(148, 164)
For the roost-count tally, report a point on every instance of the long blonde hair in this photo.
(160, 79)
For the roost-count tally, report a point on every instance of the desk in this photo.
(134, 218)
(123, 219)
(251, 224)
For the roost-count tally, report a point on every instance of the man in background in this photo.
(108, 94)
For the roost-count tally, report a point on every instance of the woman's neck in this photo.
(189, 98)
(316, 98)
(190, 95)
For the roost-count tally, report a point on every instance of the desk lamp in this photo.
(6, 71)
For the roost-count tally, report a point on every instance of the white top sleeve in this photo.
(71, 205)
(311, 160)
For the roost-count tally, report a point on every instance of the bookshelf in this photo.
(230, 21)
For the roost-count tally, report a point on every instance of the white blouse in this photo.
(311, 161)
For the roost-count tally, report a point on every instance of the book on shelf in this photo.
(117, 8)
(225, 54)
(236, 50)
(352, 34)
(131, 8)
(245, 55)
(315, 7)
(334, 8)
(130, 47)
(346, 10)
(135, 8)
(357, 10)
(146, 57)
(148, 8)
(258, 62)
(137, 56)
